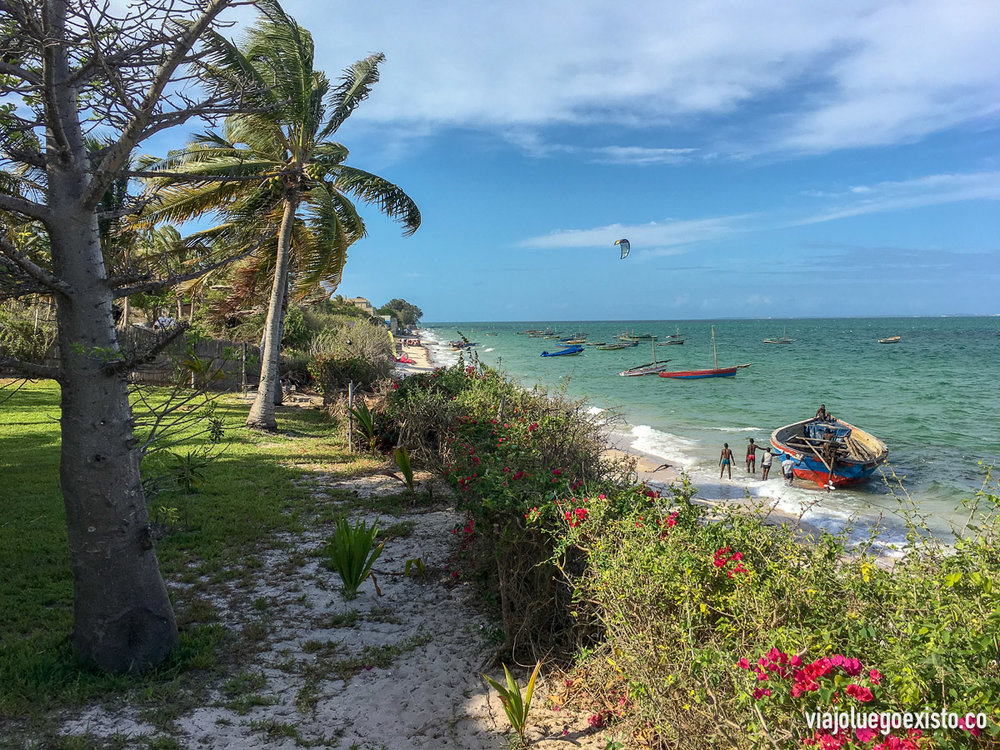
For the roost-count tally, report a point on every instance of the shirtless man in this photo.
(821, 413)
(726, 461)
(751, 457)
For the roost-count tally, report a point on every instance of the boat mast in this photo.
(714, 350)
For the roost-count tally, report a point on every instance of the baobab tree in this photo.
(71, 71)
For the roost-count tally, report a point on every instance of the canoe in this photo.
(671, 342)
(783, 339)
(596, 343)
(564, 352)
(830, 453)
(650, 368)
(890, 340)
(619, 345)
(715, 372)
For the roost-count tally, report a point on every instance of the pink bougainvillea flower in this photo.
(533, 426)
(863, 694)
(517, 475)
(864, 734)
(969, 726)
(743, 663)
(596, 721)
(761, 693)
(875, 676)
(556, 472)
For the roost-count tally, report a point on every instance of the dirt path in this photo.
(395, 671)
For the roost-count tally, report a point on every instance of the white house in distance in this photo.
(363, 304)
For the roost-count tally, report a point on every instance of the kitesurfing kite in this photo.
(625, 247)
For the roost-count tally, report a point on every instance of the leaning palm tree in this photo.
(276, 177)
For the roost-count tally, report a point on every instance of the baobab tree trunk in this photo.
(261, 415)
(122, 618)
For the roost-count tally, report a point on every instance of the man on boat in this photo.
(726, 461)
(751, 457)
(821, 413)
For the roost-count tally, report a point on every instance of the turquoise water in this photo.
(933, 397)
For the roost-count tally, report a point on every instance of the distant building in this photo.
(362, 304)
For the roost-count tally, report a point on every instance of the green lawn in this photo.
(247, 495)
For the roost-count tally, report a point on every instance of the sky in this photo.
(776, 159)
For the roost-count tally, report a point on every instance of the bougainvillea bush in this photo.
(717, 627)
(509, 452)
(734, 632)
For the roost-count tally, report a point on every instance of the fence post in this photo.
(243, 367)
(350, 416)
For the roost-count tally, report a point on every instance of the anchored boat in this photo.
(715, 372)
(831, 453)
(564, 352)
(650, 368)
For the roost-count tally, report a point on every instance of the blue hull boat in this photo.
(564, 352)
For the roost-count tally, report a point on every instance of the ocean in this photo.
(933, 398)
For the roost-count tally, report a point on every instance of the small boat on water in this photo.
(715, 372)
(564, 352)
(672, 339)
(831, 453)
(595, 343)
(890, 340)
(619, 345)
(783, 340)
(650, 368)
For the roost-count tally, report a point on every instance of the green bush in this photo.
(713, 627)
(361, 353)
(696, 608)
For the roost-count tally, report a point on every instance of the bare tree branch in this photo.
(30, 369)
(156, 284)
(124, 365)
(133, 133)
(33, 270)
(25, 207)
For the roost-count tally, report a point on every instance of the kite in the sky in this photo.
(625, 247)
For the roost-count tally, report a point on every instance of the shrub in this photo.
(361, 353)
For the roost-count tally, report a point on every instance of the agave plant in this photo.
(366, 422)
(402, 457)
(514, 705)
(352, 552)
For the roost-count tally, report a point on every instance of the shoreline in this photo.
(656, 471)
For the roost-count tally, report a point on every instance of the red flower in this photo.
(518, 475)
(863, 694)
(533, 426)
(875, 676)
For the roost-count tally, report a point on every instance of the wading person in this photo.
(786, 468)
(726, 461)
(751, 457)
(765, 462)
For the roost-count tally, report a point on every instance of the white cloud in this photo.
(661, 238)
(808, 76)
(655, 235)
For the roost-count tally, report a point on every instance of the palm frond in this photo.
(390, 198)
(354, 87)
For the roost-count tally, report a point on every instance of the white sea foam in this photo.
(663, 445)
(594, 410)
(738, 429)
(488, 350)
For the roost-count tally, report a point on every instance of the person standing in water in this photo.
(787, 467)
(765, 462)
(726, 461)
(751, 457)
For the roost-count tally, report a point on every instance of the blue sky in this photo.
(776, 159)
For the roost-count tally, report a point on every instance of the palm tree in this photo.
(275, 175)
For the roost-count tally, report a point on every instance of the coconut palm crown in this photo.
(274, 175)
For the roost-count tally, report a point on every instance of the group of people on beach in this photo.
(726, 460)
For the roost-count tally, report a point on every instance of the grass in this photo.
(250, 493)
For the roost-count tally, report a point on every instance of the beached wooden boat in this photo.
(564, 352)
(831, 453)
(714, 372)
(782, 340)
(890, 340)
